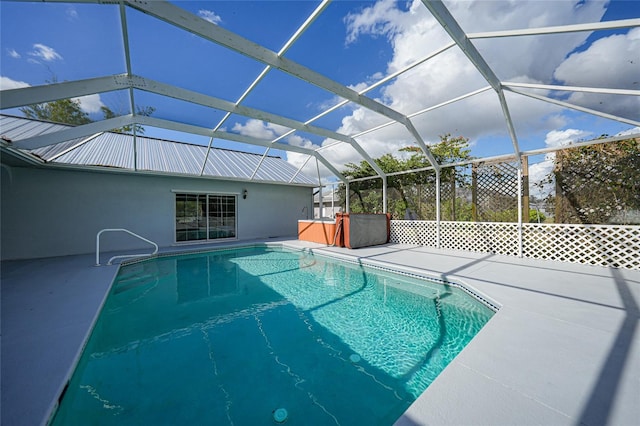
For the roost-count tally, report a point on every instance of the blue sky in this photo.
(354, 43)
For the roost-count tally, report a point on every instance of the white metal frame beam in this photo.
(423, 111)
(209, 101)
(126, 120)
(300, 168)
(305, 25)
(575, 107)
(511, 157)
(234, 137)
(558, 88)
(13, 98)
(178, 17)
(74, 132)
(39, 94)
(381, 82)
(451, 26)
(127, 60)
(46, 93)
(74, 146)
(595, 26)
(188, 128)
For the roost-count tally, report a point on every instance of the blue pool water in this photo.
(231, 336)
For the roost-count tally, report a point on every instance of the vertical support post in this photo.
(420, 216)
(437, 208)
(333, 209)
(559, 216)
(525, 188)
(520, 211)
(135, 149)
(453, 195)
(474, 192)
(127, 60)
(320, 202)
(384, 194)
(346, 197)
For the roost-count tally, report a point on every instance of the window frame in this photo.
(209, 199)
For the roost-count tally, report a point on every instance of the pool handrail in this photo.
(125, 255)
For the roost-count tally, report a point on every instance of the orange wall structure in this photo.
(316, 231)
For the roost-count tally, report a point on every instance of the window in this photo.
(205, 217)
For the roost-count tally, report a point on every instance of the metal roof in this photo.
(118, 150)
(198, 98)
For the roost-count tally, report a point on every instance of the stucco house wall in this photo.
(55, 212)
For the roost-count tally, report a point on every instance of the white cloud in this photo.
(339, 154)
(298, 159)
(259, 129)
(268, 131)
(413, 34)
(539, 172)
(535, 56)
(44, 53)
(557, 138)
(13, 53)
(632, 131)
(210, 16)
(381, 19)
(299, 141)
(7, 83)
(90, 103)
(610, 62)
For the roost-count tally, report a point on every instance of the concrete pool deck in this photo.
(563, 349)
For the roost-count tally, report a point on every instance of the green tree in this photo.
(145, 111)
(448, 150)
(67, 111)
(536, 216)
(406, 190)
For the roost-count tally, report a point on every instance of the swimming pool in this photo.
(232, 336)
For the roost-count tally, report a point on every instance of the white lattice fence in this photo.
(483, 237)
(604, 245)
(418, 232)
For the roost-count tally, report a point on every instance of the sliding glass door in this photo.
(205, 217)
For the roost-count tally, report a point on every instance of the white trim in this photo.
(71, 148)
(203, 242)
(235, 195)
(195, 191)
